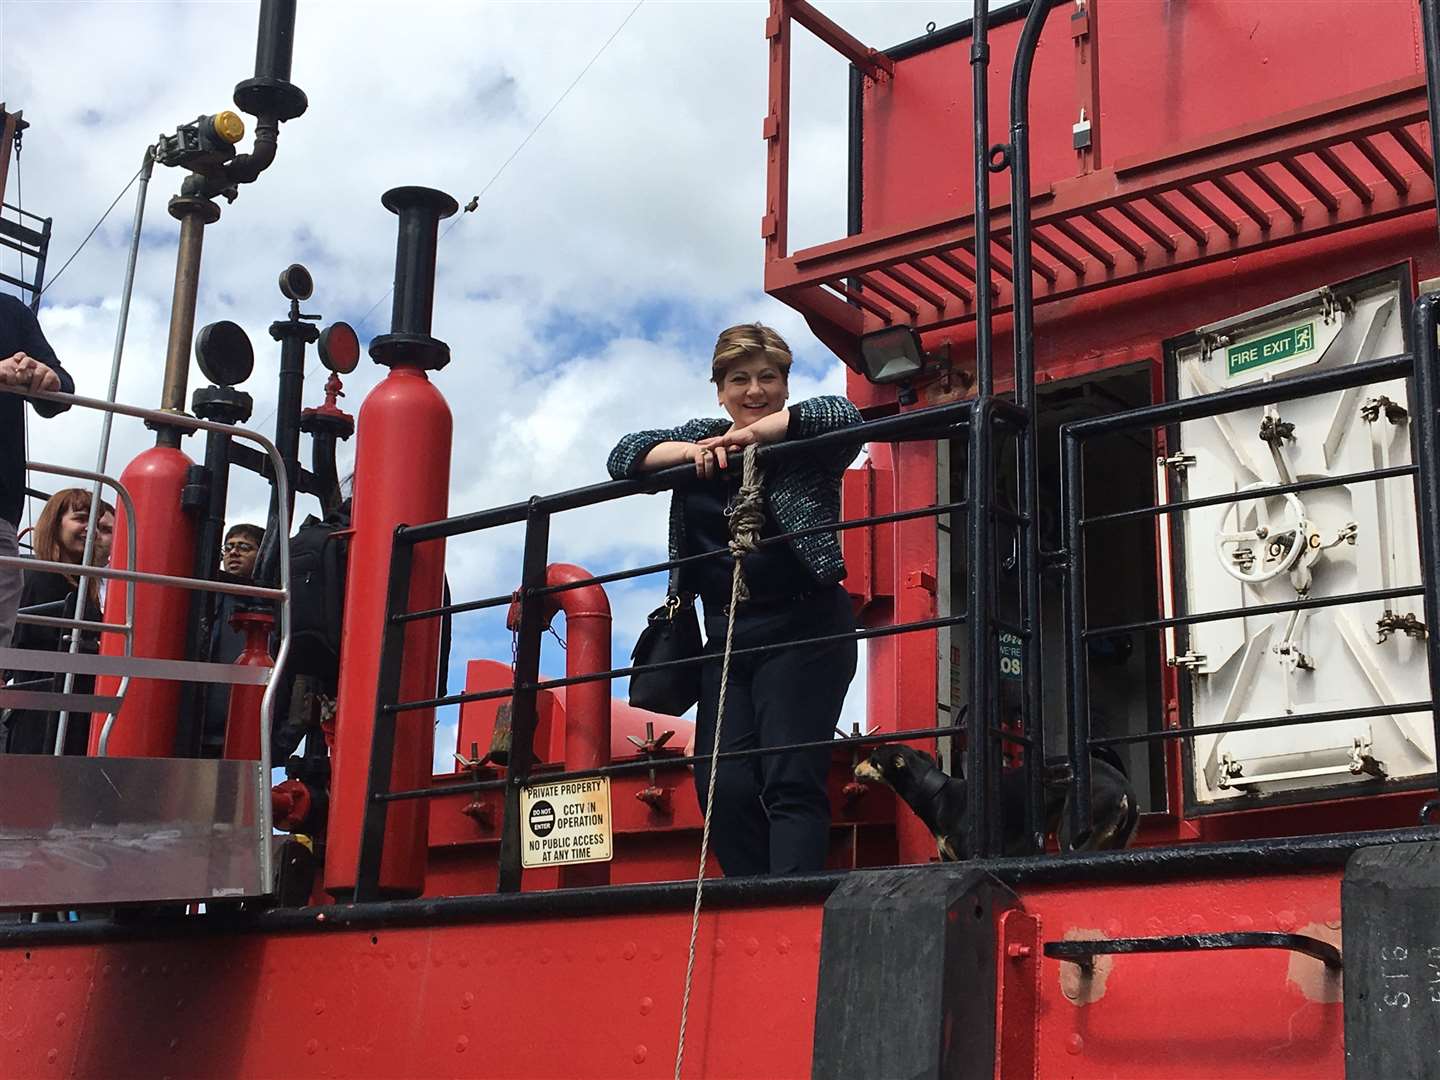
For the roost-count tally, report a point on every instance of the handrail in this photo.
(280, 595)
(83, 573)
(935, 421)
(939, 421)
(1082, 952)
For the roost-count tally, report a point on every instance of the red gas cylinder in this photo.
(242, 727)
(402, 476)
(165, 538)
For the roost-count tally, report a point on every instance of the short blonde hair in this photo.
(745, 341)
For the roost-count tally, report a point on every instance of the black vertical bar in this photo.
(382, 736)
(855, 190)
(1426, 450)
(1430, 35)
(293, 336)
(980, 72)
(981, 611)
(522, 703)
(204, 605)
(1077, 708)
(40, 255)
(1033, 690)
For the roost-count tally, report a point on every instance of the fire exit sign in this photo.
(1284, 344)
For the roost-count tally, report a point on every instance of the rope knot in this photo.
(747, 519)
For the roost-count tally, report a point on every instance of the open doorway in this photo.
(1121, 568)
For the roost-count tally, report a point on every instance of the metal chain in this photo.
(745, 525)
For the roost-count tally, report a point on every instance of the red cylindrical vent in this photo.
(587, 704)
(402, 476)
(165, 537)
(242, 727)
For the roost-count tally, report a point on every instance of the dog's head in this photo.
(892, 764)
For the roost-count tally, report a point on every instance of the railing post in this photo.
(522, 702)
(981, 613)
(1077, 706)
(1426, 451)
(382, 739)
(773, 226)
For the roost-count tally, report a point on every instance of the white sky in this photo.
(580, 300)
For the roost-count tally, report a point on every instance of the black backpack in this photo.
(319, 559)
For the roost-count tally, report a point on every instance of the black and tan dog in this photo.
(939, 800)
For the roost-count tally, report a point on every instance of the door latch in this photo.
(1394, 411)
(1407, 624)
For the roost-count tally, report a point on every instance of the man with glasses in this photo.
(237, 563)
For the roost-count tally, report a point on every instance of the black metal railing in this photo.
(1421, 367)
(944, 421)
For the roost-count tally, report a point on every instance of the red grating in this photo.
(1340, 164)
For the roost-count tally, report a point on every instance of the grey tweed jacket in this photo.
(802, 490)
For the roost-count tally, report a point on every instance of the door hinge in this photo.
(1186, 660)
(1211, 342)
(1177, 462)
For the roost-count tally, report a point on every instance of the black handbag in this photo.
(672, 632)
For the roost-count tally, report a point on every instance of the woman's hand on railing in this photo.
(768, 429)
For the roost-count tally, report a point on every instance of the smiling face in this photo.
(74, 524)
(751, 388)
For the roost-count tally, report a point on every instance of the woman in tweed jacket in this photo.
(771, 814)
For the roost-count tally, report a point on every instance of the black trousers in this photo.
(772, 813)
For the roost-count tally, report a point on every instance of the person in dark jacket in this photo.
(59, 536)
(28, 363)
(238, 555)
(771, 813)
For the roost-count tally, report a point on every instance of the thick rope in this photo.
(747, 518)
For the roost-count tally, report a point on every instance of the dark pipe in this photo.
(322, 465)
(1033, 690)
(246, 167)
(981, 750)
(1430, 33)
(1077, 703)
(225, 405)
(276, 39)
(271, 94)
(980, 71)
(293, 335)
(1024, 313)
(1426, 450)
(409, 341)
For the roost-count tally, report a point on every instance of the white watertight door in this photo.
(1316, 543)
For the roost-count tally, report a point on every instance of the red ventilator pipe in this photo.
(242, 727)
(402, 476)
(165, 539)
(587, 704)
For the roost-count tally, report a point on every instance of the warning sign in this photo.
(566, 822)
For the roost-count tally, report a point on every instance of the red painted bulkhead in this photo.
(599, 995)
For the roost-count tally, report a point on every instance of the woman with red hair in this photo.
(59, 536)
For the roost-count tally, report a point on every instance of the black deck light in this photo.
(409, 342)
(892, 355)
